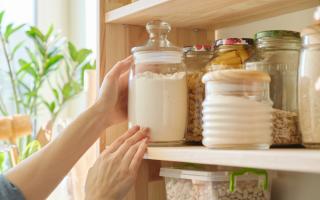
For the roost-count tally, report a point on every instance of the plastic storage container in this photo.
(278, 55)
(246, 184)
(237, 110)
(196, 58)
(231, 53)
(158, 87)
(309, 85)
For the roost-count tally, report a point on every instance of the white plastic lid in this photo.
(158, 57)
(202, 175)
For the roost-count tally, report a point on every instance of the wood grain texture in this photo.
(204, 13)
(298, 160)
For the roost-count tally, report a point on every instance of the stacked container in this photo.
(244, 184)
(237, 110)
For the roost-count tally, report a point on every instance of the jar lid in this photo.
(277, 34)
(236, 76)
(197, 48)
(234, 41)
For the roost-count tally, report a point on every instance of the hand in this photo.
(113, 95)
(115, 171)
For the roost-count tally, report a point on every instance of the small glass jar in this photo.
(231, 53)
(158, 87)
(237, 110)
(196, 58)
(278, 55)
(309, 85)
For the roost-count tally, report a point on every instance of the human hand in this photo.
(113, 94)
(115, 171)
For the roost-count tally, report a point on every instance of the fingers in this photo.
(131, 152)
(141, 134)
(118, 142)
(136, 161)
(120, 67)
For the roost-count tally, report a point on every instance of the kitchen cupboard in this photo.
(121, 27)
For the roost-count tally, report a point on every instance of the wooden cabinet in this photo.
(121, 27)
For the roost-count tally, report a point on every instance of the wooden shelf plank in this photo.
(299, 160)
(204, 13)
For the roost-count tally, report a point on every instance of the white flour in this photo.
(159, 102)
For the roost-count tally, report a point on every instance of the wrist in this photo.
(101, 118)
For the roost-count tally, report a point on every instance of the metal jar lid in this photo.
(277, 34)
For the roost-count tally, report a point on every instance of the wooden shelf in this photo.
(299, 160)
(204, 13)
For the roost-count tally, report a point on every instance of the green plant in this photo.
(51, 65)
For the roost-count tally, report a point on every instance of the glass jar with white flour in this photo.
(158, 87)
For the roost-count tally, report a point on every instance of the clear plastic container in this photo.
(231, 53)
(196, 58)
(158, 87)
(309, 85)
(245, 184)
(237, 110)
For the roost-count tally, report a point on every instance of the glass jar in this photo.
(278, 55)
(309, 85)
(231, 53)
(237, 110)
(196, 58)
(158, 87)
(279, 51)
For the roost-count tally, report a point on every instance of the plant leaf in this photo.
(2, 158)
(72, 51)
(16, 48)
(10, 30)
(56, 94)
(35, 33)
(51, 62)
(31, 148)
(51, 106)
(82, 55)
(1, 17)
(71, 89)
(33, 58)
(29, 70)
(49, 32)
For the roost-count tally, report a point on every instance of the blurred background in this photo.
(71, 26)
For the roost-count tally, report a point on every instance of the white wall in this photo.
(288, 186)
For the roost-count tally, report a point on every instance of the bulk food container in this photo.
(237, 110)
(231, 53)
(278, 55)
(196, 57)
(245, 184)
(158, 87)
(309, 85)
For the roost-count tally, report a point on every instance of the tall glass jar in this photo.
(196, 57)
(278, 55)
(237, 110)
(279, 51)
(231, 53)
(158, 87)
(309, 85)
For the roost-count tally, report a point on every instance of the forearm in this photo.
(38, 175)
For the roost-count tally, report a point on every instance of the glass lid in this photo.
(158, 48)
